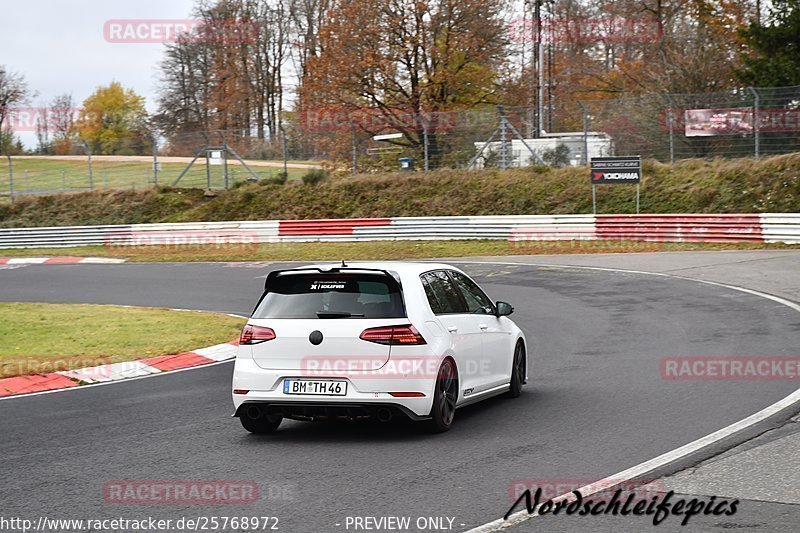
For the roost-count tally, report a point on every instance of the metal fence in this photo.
(746, 122)
(199, 164)
(749, 122)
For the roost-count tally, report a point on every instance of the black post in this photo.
(88, 148)
(285, 150)
(10, 178)
(355, 149)
(155, 161)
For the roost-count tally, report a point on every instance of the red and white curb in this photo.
(58, 260)
(116, 371)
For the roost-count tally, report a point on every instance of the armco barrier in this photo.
(328, 226)
(684, 228)
(780, 227)
(769, 227)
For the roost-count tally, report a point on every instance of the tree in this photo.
(114, 120)
(61, 118)
(54, 126)
(43, 145)
(408, 57)
(776, 47)
(185, 85)
(674, 46)
(308, 16)
(232, 81)
(13, 92)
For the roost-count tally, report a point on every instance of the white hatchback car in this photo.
(374, 340)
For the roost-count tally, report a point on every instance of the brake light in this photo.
(256, 334)
(405, 335)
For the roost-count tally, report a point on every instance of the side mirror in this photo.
(504, 309)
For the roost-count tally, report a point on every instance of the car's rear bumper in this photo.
(366, 392)
(316, 410)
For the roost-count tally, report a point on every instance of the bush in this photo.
(314, 176)
(278, 179)
(557, 157)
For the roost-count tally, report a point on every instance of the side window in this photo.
(477, 301)
(436, 307)
(446, 296)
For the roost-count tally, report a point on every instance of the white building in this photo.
(599, 145)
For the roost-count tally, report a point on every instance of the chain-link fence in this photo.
(199, 160)
(749, 122)
(492, 136)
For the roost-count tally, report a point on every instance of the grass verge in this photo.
(37, 337)
(56, 175)
(375, 250)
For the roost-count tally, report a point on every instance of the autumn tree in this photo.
(228, 74)
(61, 118)
(679, 46)
(308, 16)
(406, 56)
(114, 120)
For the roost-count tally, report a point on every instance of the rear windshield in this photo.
(331, 296)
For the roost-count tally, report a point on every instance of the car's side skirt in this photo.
(494, 391)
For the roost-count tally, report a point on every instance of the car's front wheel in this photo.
(256, 421)
(444, 397)
(517, 371)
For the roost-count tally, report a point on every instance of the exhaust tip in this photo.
(384, 414)
(253, 412)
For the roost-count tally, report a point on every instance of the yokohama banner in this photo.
(625, 169)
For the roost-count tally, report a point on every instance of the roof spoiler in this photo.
(275, 273)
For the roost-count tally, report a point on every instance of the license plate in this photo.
(319, 387)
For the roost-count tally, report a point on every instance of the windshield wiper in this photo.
(337, 314)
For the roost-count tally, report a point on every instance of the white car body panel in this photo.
(481, 345)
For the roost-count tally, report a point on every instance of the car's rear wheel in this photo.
(256, 421)
(517, 371)
(444, 397)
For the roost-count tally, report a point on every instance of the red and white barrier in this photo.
(766, 227)
(680, 228)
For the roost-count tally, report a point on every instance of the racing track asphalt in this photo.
(596, 403)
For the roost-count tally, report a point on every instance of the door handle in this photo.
(483, 327)
(452, 329)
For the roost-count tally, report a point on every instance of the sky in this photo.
(60, 46)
